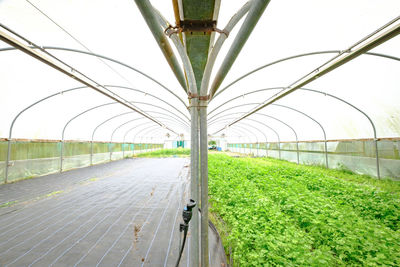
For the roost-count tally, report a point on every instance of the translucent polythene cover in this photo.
(358, 96)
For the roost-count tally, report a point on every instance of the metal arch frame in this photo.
(149, 143)
(241, 96)
(215, 94)
(265, 125)
(106, 104)
(137, 125)
(145, 134)
(290, 127)
(106, 58)
(169, 118)
(129, 130)
(125, 113)
(246, 130)
(221, 119)
(140, 143)
(158, 131)
(125, 123)
(302, 113)
(123, 141)
(95, 129)
(156, 97)
(272, 117)
(240, 130)
(325, 94)
(240, 134)
(383, 34)
(234, 137)
(91, 143)
(145, 130)
(258, 130)
(46, 98)
(284, 123)
(365, 115)
(251, 132)
(20, 113)
(266, 140)
(238, 139)
(9, 36)
(319, 124)
(90, 109)
(113, 117)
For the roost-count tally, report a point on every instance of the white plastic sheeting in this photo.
(116, 30)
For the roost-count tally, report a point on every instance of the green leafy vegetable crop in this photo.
(279, 213)
(174, 152)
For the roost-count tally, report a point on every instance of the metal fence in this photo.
(30, 158)
(357, 155)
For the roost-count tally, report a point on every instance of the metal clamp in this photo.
(201, 97)
(205, 26)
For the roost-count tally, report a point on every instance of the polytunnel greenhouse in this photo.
(199, 133)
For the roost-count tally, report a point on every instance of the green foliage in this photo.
(163, 153)
(284, 214)
(212, 143)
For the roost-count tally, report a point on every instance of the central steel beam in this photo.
(198, 43)
(193, 36)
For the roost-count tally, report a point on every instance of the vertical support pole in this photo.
(326, 154)
(8, 159)
(298, 155)
(266, 149)
(204, 182)
(194, 183)
(378, 172)
(258, 146)
(109, 149)
(279, 148)
(91, 153)
(61, 155)
(123, 150)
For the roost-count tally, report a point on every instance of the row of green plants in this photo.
(275, 213)
(163, 153)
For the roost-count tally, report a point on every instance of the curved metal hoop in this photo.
(293, 57)
(106, 58)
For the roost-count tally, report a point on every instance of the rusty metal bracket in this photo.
(204, 97)
(205, 26)
(190, 95)
(201, 97)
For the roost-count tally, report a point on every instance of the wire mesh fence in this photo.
(356, 155)
(30, 158)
